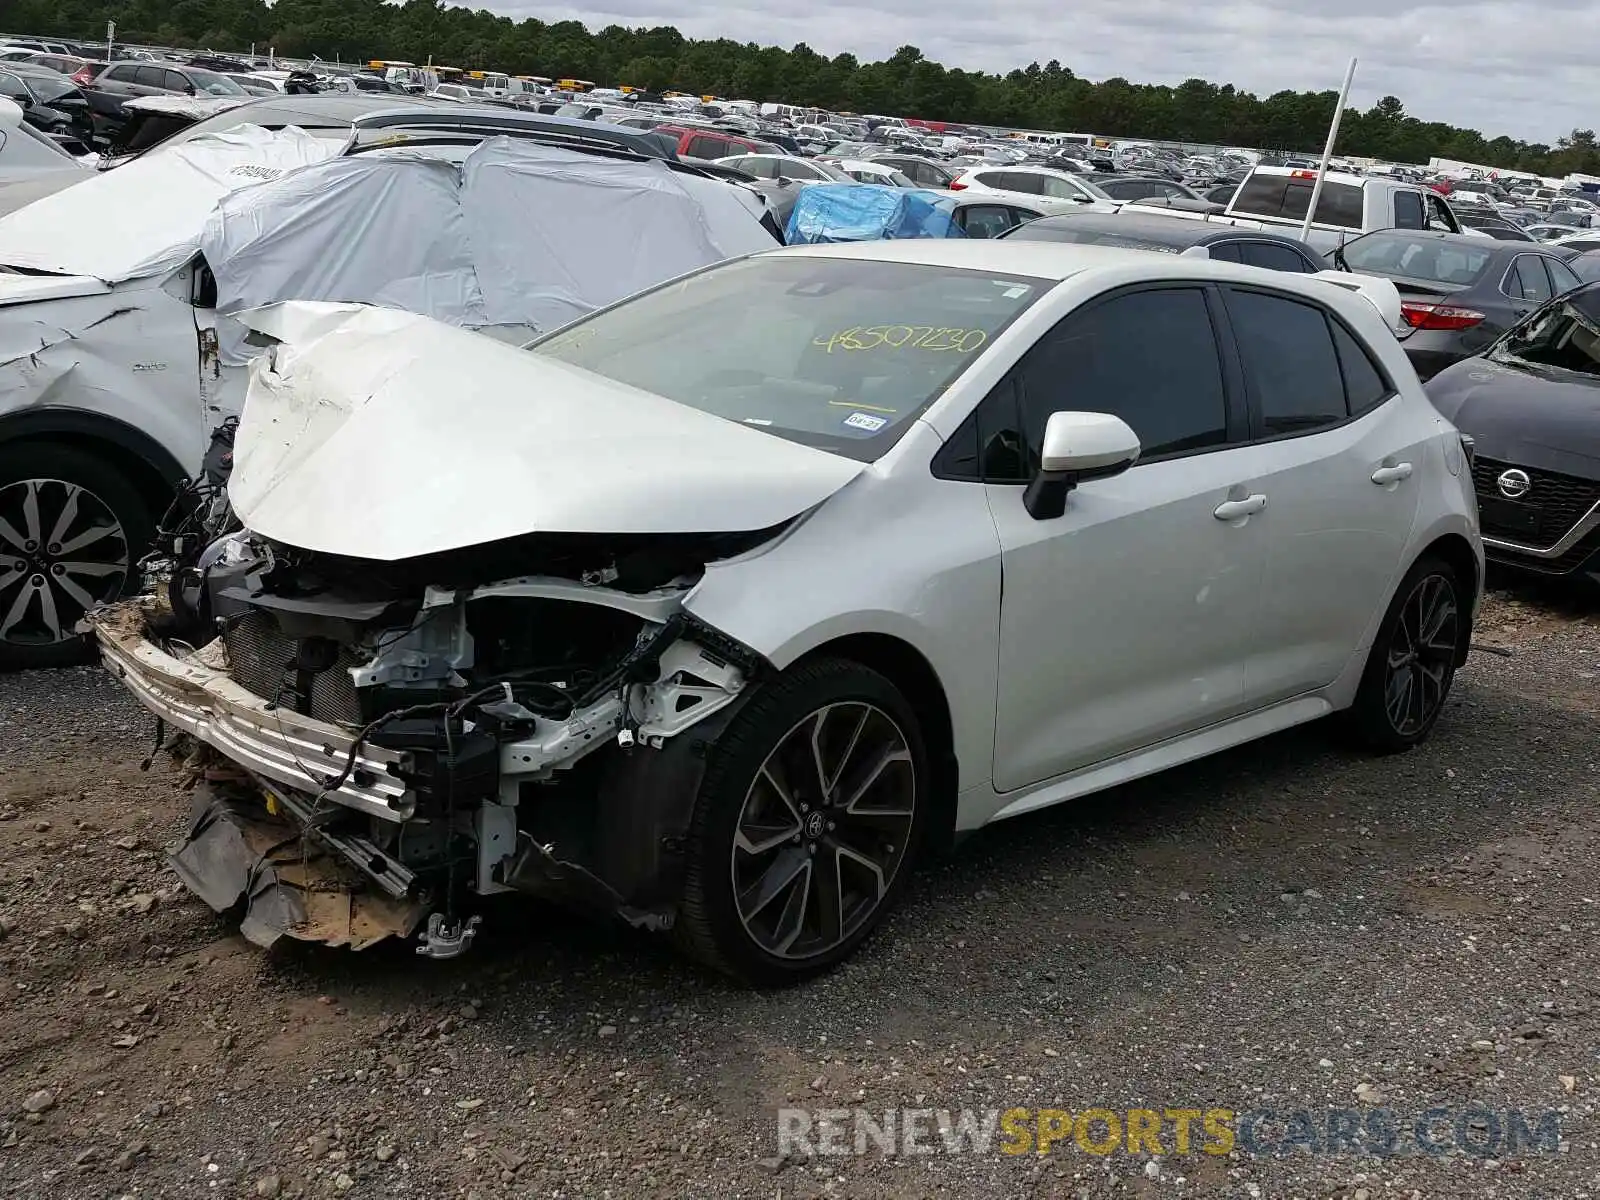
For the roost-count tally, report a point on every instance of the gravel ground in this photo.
(1287, 927)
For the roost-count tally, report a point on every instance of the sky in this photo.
(1501, 66)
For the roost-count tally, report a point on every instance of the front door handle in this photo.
(1234, 510)
(1394, 474)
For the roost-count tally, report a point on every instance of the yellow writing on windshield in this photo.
(904, 337)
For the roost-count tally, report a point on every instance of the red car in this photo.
(696, 142)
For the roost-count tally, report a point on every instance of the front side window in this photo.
(1101, 359)
(831, 352)
(1562, 278)
(1290, 365)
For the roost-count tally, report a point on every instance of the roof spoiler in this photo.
(1380, 293)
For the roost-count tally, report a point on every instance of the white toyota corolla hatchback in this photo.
(718, 608)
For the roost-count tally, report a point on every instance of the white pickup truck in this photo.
(1277, 198)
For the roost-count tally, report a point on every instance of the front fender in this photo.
(896, 554)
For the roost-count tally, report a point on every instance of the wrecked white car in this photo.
(713, 608)
(121, 367)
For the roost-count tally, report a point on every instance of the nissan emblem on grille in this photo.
(1514, 484)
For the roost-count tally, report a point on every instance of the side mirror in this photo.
(1078, 447)
(188, 89)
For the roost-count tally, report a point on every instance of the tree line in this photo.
(906, 84)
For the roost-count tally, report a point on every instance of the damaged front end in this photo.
(386, 740)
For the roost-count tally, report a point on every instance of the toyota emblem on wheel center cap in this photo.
(1514, 483)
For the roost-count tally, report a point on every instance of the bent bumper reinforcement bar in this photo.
(278, 744)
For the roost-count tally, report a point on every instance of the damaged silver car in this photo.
(712, 610)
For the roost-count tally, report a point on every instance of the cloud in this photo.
(1500, 66)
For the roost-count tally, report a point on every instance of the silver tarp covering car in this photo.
(516, 234)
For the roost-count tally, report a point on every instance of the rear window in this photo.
(1431, 260)
(837, 353)
(1290, 196)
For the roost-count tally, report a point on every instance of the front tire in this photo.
(805, 826)
(72, 531)
(1412, 662)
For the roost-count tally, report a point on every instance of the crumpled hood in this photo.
(379, 434)
(1535, 417)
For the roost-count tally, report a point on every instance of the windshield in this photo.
(1066, 231)
(839, 353)
(45, 90)
(209, 83)
(1564, 335)
(1432, 260)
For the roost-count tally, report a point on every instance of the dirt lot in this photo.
(1286, 927)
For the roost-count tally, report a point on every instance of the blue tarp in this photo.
(867, 212)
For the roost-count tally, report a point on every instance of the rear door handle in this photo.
(1234, 510)
(1394, 474)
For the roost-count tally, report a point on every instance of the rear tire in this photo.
(1412, 662)
(72, 532)
(806, 824)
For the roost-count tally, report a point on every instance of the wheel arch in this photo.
(154, 472)
(1457, 553)
(914, 677)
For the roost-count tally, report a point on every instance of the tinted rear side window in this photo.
(1274, 257)
(1364, 384)
(705, 147)
(1289, 362)
(1408, 211)
(1288, 196)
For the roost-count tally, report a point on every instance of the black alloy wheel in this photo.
(806, 823)
(1421, 657)
(823, 830)
(1412, 662)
